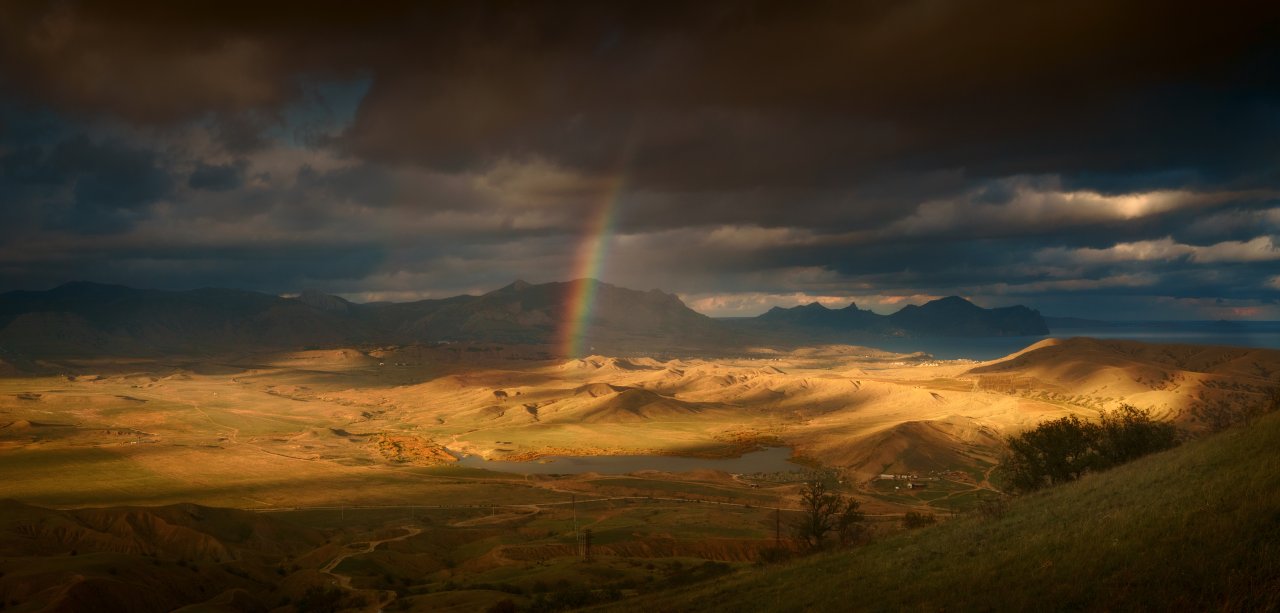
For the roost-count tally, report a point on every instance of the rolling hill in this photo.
(1190, 529)
(1190, 384)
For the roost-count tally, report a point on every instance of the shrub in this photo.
(1054, 452)
(1065, 449)
(992, 505)
(918, 520)
(503, 606)
(1129, 433)
(774, 555)
(1222, 415)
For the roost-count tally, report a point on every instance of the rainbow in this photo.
(588, 267)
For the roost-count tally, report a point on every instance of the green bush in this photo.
(1129, 433)
(1054, 452)
(1064, 449)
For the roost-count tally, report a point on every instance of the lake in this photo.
(773, 459)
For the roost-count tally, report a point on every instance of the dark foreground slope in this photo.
(1196, 528)
(152, 559)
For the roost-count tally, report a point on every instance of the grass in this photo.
(102, 476)
(1194, 528)
(632, 486)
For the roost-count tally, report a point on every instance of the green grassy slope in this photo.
(1194, 528)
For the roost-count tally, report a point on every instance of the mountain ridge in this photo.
(86, 318)
(951, 316)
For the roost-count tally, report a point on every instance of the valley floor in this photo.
(360, 447)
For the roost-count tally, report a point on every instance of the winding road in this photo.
(345, 580)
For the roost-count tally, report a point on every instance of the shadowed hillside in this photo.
(149, 559)
(1193, 528)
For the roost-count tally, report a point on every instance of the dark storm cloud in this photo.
(219, 177)
(255, 268)
(756, 96)
(999, 149)
(241, 133)
(83, 186)
(366, 184)
(704, 94)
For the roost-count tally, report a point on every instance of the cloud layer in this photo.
(1087, 158)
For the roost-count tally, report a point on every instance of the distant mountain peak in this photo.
(95, 319)
(952, 300)
(955, 316)
(323, 301)
(88, 286)
(519, 285)
(78, 285)
(949, 316)
(84, 318)
(311, 293)
(90, 292)
(818, 315)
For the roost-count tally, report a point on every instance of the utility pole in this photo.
(577, 541)
(777, 528)
(586, 541)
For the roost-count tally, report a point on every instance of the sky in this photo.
(1102, 159)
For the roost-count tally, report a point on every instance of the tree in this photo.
(1220, 415)
(1054, 452)
(1065, 449)
(1129, 433)
(826, 513)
